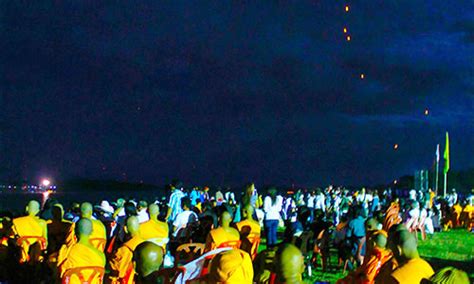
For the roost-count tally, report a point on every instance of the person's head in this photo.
(142, 204)
(289, 264)
(130, 209)
(133, 226)
(379, 239)
(33, 208)
(83, 229)
(371, 224)
(449, 275)
(403, 244)
(57, 211)
(148, 258)
(185, 203)
(120, 202)
(225, 219)
(153, 211)
(229, 263)
(86, 210)
(247, 211)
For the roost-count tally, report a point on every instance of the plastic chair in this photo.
(169, 275)
(188, 252)
(254, 240)
(231, 244)
(98, 243)
(25, 243)
(96, 276)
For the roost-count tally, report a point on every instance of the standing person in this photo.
(174, 205)
(272, 206)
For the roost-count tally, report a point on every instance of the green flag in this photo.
(446, 155)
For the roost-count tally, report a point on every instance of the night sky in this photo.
(220, 92)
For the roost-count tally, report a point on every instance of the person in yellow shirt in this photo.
(223, 234)
(154, 230)
(99, 235)
(289, 265)
(457, 214)
(148, 258)
(121, 263)
(248, 225)
(31, 226)
(81, 254)
(412, 268)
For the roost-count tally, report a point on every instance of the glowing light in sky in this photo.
(395, 146)
(426, 112)
(348, 38)
(346, 8)
(345, 30)
(362, 76)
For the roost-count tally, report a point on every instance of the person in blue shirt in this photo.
(356, 234)
(174, 205)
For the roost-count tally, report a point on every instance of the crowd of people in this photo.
(193, 236)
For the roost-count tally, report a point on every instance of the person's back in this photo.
(223, 234)
(121, 263)
(81, 254)
(154, 230)
(30, 226)
(58, 229)
(98, 235)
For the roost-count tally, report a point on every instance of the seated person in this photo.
(224, 233)
(121, 263)
(148, 259)
(411, 267)
(154, 230)
(378, 256)
(289, 265)
(31, 225)
(248, 225)
(58, 229)
(232, 266)
(185, 217)
(98, 229)
(82, 253)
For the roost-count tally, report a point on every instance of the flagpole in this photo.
(437, 170)
(445, 183)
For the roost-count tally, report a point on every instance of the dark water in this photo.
(16, 201)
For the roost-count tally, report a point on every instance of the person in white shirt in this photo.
(185, 217)
(142, 212)
(320, 201)
(272, 205)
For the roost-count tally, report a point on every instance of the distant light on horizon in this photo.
(346, 8)
(348, 38)
(427, 111)
(45, 182)
(362, 76)
(395, 146)
(345, 30)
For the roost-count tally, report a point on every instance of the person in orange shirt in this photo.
(31, 226)
(223, 234)
(81, 254)
(121, 263)
(154, 230)
(99, 235)
(412, 268)
(392, 216)
(248, 225)
(378, 256)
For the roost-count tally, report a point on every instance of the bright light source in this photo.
(395, 146)
(46, 182)
(348, 38)
(345, 30)
(346, 8)
(426, 112)
(362, 76)
(395, 181)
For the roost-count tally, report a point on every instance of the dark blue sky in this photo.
(223, 92)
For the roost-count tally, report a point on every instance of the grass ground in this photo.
(454, 248)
